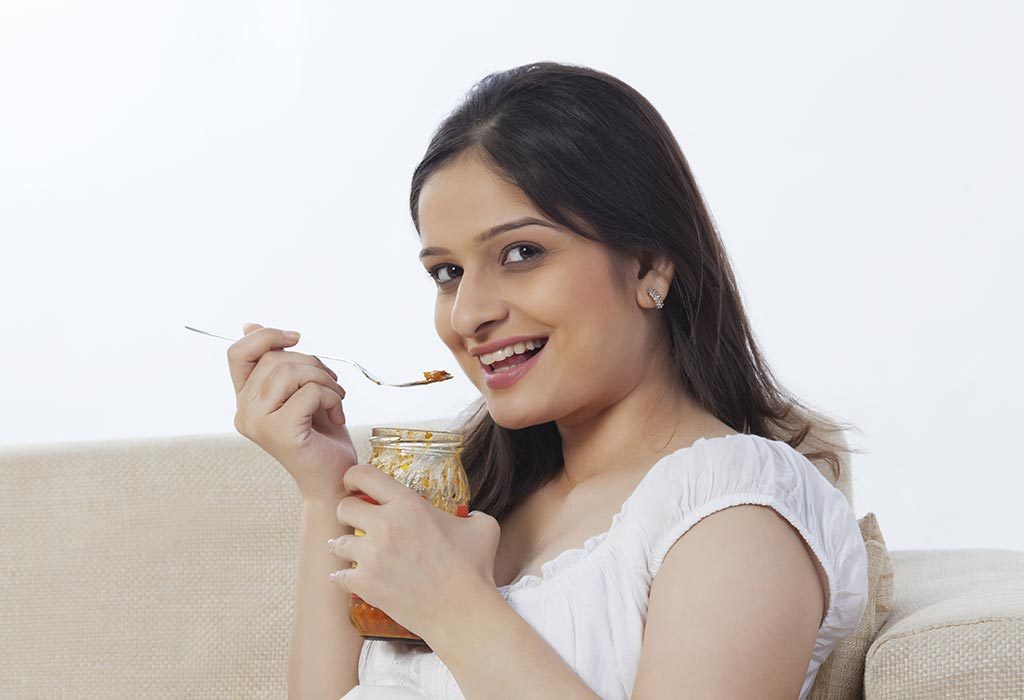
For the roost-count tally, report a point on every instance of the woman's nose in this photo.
(475, 305)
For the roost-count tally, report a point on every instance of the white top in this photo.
(590, 604)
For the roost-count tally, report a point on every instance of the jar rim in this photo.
(415, 435)
(416, 439)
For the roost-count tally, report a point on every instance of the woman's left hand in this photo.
(415, 562)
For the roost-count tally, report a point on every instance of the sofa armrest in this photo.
(956, 628)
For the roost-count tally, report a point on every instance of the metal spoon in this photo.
(429, 377)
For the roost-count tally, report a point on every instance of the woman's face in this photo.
(534, 281)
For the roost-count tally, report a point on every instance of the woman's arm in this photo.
(495, 654)
(324, 656)
(733, 612)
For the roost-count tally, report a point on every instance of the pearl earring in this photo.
(656, 295)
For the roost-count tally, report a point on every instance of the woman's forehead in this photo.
(469, 198)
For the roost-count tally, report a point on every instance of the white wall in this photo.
(214, 163)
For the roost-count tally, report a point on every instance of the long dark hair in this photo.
(594, 156)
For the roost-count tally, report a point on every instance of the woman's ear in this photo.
(655, 271)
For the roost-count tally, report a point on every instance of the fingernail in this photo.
(334, 577)
(291, 335)
(330, 545)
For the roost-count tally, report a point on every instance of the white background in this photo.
(216, 163)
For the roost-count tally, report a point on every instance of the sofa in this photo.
(165, 568)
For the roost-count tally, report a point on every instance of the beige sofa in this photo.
(165, 568)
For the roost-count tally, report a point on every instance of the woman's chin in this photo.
(511, 419)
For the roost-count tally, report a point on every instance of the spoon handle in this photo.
(314, 354)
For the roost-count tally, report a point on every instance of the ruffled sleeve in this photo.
(748, 469)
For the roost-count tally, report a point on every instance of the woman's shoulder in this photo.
(717, 473)
(715, 466)
(740, 468)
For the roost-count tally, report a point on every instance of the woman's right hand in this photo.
(290, 405)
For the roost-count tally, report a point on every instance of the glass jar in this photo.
(429, 462)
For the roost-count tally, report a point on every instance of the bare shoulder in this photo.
(740, 584)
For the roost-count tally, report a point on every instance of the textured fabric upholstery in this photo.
(956, 628)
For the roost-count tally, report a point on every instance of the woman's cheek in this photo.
(445, 332)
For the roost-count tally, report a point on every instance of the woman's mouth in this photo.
(496, 363)
(505, 371)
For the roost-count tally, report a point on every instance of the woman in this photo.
(554, 206)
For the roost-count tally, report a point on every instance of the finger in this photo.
(381, 487)
(356, 512)
(247, 328)
(285, 380)
(348, 548)
(343, 579)
(305, 402)
(244, 353)
(268, 364)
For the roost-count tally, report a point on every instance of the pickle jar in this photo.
(429, 462)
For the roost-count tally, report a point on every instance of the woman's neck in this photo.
(634, 431)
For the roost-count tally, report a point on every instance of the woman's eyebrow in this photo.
(492, 232)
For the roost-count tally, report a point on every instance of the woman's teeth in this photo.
(509, 351)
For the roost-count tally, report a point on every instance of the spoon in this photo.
(429, 377)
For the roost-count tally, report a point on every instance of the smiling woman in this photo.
(582, 287)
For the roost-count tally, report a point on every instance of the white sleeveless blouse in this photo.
(590, 603)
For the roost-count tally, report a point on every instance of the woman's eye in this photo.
(517, 251)
(445, 274)
(434, 273)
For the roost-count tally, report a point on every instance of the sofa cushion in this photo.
(841, 677)
(956, 628)
(147, 568)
